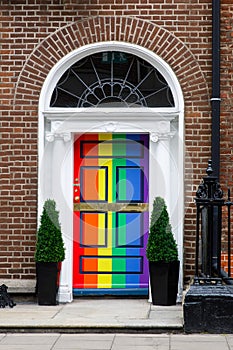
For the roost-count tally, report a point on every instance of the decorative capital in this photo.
(159, 136)
(52, 136)
(57, 133)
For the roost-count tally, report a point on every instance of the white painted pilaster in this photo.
(57, 165)
(160, 160)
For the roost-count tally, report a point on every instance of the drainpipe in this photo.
(215, 100)
(215, 104)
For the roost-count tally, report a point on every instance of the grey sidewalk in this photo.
(101, 324)
(93, 315)
(115, 342)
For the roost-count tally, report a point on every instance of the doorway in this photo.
(99, 112)
(110, 213)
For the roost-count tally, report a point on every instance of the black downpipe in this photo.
(215, 146)
(215, 100)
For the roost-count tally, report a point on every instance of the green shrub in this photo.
(50, 245)
(161, 244)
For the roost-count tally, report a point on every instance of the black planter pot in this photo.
(46, 283)
(164, 279)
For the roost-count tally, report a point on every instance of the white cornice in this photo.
(63, 124)
(106, 113)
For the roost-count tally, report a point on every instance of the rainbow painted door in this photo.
(110, 214)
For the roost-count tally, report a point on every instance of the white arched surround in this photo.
(57, 127)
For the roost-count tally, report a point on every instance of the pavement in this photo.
(93, 315)
(57, 341)
(101, 323)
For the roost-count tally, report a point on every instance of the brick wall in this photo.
(224, 263)
(35, 34)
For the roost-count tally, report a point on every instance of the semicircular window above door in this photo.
(112, 79)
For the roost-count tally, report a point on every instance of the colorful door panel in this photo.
(110, 213)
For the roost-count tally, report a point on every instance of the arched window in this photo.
(112, 79)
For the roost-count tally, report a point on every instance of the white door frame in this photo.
(57, 127)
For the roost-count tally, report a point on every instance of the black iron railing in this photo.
(209, 232)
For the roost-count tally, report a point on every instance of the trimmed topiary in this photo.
(161, 244)
(50, 245)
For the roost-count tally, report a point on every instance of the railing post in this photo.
(197, 241)
(219, 240)
(209, 198)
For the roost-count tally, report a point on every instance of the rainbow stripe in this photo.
(110, 172)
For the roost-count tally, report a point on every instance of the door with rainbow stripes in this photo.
(110, 213)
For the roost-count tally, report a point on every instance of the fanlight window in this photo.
(112, 79)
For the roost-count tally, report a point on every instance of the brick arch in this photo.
(99, 29)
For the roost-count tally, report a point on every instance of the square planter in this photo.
(164, 279)
(47, 276)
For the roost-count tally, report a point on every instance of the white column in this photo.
(159, 177)
(59, 175)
